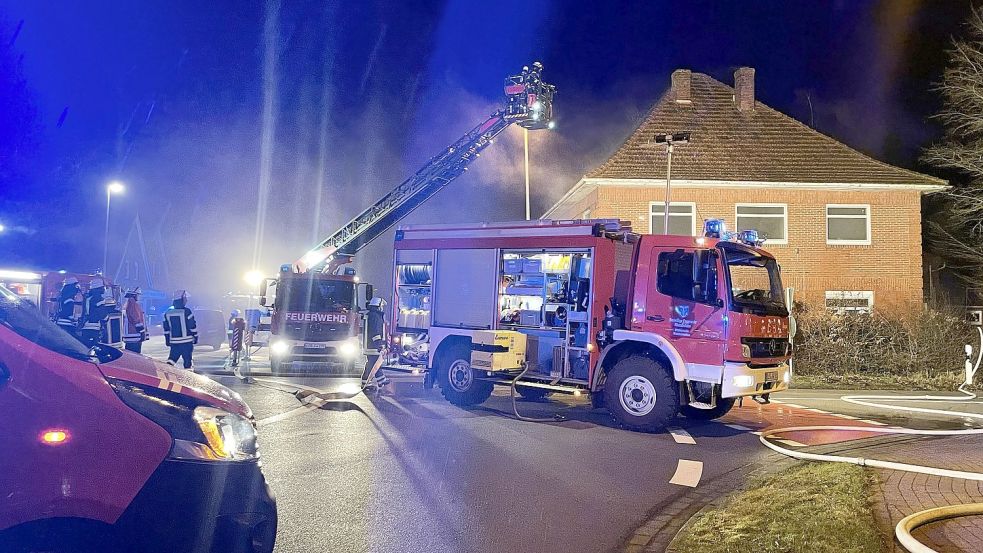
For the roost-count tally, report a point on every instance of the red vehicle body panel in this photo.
(48, 391)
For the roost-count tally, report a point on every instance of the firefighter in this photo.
(180, 330)
(376, 345)
(68, 298)
(135, 333)
(98, 305)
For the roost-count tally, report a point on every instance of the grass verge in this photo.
(867, 381)
(814, 507)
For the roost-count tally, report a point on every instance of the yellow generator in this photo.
(498, 350)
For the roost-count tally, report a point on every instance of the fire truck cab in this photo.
(651, 326)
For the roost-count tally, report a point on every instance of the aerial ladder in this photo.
(528, 103)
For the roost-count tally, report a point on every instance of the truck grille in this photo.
(767, 347)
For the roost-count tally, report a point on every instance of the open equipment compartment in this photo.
(545, 294)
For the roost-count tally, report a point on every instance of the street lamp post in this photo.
(669, 139)
(114, 187)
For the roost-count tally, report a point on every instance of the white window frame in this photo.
(671, 204)
(849, 242)
(784, 216)
(850, 295)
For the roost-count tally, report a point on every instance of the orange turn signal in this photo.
(54, 437)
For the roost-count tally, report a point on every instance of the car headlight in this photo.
(349, 348)
(279, 348)
(199, 432)
(230, 436)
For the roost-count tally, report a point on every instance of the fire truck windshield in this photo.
(315, 294)
(755, 282)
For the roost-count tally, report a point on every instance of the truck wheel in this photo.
(723, 405)
(641, 393)
(533, 394)
(459, 383)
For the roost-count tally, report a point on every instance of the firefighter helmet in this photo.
(179, 295)
(377, 302)
(133, 292)
(70, 280)
(235, 313)
(96, 283)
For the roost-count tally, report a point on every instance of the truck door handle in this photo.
(656, 318)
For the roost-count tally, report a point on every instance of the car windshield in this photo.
(755, 282)
(313, 294)
(25, 319)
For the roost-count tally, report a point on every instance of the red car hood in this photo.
(150, 372)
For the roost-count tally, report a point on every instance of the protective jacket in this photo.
(67, 300)
(179, 325)
(97, 306)
(135, 330)
(375, 329)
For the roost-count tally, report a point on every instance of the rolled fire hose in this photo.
(904, 528)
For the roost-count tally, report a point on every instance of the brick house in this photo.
(846, 228)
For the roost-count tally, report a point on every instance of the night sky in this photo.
(173, 98)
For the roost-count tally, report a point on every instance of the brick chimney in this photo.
(681, 79)
(744, 89)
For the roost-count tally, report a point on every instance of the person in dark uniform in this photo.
(96, 307)
(180, 330)
(376, 345)
(69, 298)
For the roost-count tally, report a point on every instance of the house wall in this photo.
(891, 266)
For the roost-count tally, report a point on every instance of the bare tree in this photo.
(955, 230)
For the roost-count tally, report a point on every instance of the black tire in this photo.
(651, 396)
(533, 394)
(459, 383)
(723, 406)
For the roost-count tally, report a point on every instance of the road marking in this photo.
(794, 405)
(681, 436)
(842, 416)
(688, 473)
(737, 427)
(309, 405)
(820, 411)
(873, 422)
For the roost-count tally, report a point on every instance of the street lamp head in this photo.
(2, 228)
(115, 187)
(254, 278)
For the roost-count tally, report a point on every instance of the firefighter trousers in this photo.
(181, 351)
(135, 347)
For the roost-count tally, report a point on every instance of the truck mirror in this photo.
(369, 292)
(262, 301)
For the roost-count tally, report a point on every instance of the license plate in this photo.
(315, 345)
(771, 376)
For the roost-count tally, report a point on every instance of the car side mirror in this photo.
(262, 301)
(369, 293)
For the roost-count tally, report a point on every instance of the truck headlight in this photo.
(348, 348)
(230, 436)
(743, 381)
(279, 348)
(787, 378)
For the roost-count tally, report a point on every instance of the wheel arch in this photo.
(647, 344)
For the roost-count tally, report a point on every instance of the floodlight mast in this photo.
(528, 103)
(669, 139)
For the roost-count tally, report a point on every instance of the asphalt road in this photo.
(411, 472)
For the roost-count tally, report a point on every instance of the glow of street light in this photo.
(2, 228)
(254, 277)
(115, 187)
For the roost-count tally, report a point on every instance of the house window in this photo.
(844, 302)
(682, 218)
(770, 220)
(847, 224)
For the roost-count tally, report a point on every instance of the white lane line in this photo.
(873, 422)
(791, 443)
(794, 405)
(758, 433)
(820, 411)
(681, 436)
(309, 405)
(688, 473)
(842, 416)
(737, 427)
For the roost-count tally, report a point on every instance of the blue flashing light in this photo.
(749, 237)
(714, 228)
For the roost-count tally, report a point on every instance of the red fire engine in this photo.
(314, 303)
(649, 325)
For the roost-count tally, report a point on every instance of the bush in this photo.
(921, 347)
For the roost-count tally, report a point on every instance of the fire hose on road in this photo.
(908, 524)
